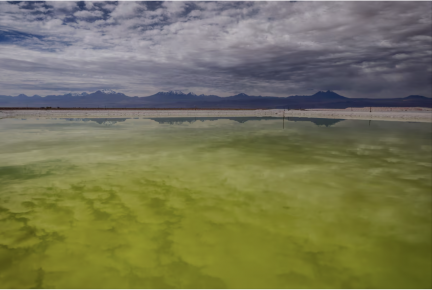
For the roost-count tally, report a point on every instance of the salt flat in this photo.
(384, 114)
(214, 203)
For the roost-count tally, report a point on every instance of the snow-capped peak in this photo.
(78, 94)
(108, 91)
(176, 93)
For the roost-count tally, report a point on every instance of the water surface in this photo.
(214, 203)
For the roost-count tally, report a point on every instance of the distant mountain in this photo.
(107, 98)
(320, 96)
(241, 96)
(179, 96)
(416, 97)
(108, 91)
(76, 94)
(328, 95)
(96, 99)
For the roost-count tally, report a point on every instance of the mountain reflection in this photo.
(179, 121)
(316, 121)
(190, 120)
(101, 121)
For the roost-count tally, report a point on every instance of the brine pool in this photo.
(215, 203)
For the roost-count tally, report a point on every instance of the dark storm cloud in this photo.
(359, 49)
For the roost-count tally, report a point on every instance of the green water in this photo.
(228, 203)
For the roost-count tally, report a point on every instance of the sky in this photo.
(357, 49)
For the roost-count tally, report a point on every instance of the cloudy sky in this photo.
(358, 49)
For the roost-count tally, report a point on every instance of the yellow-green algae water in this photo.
(214, 203)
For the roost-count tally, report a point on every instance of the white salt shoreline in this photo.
(384, 114)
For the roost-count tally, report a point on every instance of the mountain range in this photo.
(177, 99)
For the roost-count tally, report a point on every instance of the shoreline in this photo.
(380, 114)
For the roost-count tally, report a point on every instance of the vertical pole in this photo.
(283, 119)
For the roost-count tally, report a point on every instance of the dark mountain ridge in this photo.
(319, 96)
(179, 96)
(416, 97)
(178, 99)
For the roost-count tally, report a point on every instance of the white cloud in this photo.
(88, 14)
(89, 5)
(109, 7)
(127, 9)
(268, 48)
(174, 7)
(63, 5)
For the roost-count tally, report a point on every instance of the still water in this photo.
(214, 203)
